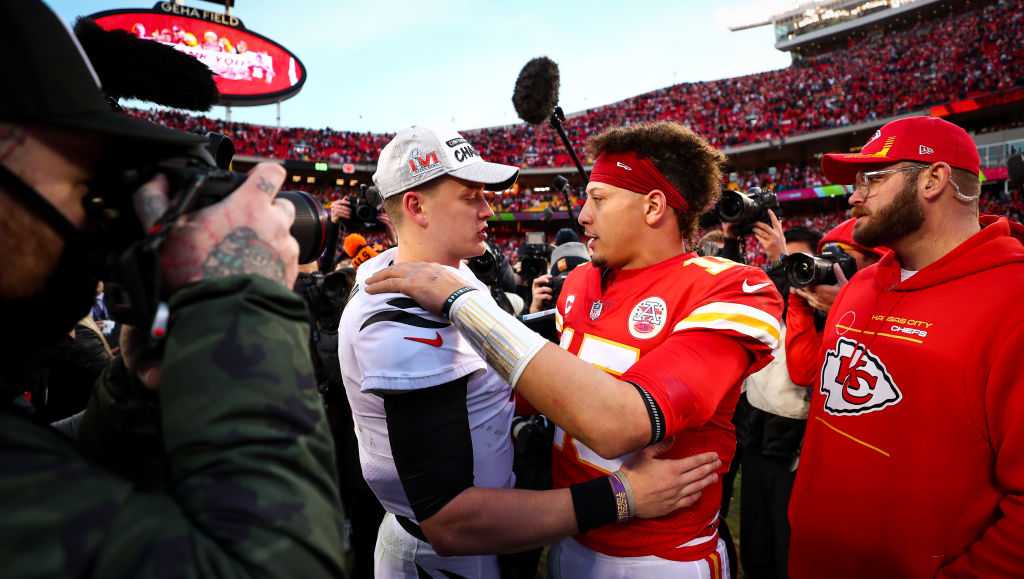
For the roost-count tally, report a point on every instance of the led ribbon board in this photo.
(249, 68)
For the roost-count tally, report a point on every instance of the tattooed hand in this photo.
(247, 233)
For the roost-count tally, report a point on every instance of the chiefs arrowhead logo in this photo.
(855, 381)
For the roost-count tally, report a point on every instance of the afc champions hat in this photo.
(921, 139)
(419, 154)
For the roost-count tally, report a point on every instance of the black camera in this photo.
(198, 177)
(557, 282)
(492, 268)
(365, 205)
(744, 209)
(533, 256)
(804, 270)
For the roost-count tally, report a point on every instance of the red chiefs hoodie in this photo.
(913, 461)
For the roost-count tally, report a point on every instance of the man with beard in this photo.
(249, 485)
(913, 461)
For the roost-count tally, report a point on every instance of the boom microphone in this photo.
(130, 67)
(535, 99)
(536, 93)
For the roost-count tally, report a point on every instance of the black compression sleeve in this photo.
(655, 413)
(431, 444)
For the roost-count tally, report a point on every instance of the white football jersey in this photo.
(388, 344)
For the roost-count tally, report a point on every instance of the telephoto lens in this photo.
(804, 270)
(310, 226)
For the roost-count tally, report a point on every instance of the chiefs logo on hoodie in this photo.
(855, 381)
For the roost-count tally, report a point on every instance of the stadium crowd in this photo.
(878, 74)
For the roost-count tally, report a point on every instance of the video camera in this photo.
(744, 209)
(492, 268)
(533, 256)
(804, 270)
(197, 178)
(365, 205)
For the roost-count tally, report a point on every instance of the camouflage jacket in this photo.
(250, 484)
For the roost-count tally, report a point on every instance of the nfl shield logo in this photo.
(595, 310)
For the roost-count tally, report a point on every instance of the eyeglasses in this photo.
(867, 178)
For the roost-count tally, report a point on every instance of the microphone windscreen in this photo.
(364, 254)
(536, 93)
(130, 67)
(353, 243)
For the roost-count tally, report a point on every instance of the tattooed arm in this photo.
(246, 234)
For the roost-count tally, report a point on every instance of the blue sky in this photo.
(379, 66)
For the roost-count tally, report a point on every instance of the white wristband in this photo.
(504, 342)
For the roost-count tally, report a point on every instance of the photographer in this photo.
(770, 421)
(808, 306)
(547, 287)
(326, 296)
(249, 488)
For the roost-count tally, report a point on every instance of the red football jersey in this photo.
(687, 331)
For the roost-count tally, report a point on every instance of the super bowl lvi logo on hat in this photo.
(419, 154)
(855, 381)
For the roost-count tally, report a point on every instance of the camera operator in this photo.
(547, 287)
(249, 488)
(807, 307)
(770, 421)
(770, 414)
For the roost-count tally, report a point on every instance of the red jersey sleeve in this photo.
(727, 335)
(676, 375)
(803, 342)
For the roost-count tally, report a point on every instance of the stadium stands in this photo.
(879, 74)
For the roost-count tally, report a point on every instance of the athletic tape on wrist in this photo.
(503, 341)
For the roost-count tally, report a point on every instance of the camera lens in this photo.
(366, 213)
(310, 226)
(800, 270)
(731, 207)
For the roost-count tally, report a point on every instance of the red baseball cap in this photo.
(923, 139)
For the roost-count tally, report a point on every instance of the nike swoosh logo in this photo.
(435, 342)
(747, 288)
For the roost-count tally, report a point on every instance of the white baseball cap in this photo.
(419, 154)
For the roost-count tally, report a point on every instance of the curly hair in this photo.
(688, 161)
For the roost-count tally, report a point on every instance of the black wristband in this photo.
(447, 307)
(594, 503)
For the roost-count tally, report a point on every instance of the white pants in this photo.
(569, 559)
(399, 555)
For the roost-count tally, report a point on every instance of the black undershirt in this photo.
(431, 444)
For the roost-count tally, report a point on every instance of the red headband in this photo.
(635, 173)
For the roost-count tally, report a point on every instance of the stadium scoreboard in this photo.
(249, 68)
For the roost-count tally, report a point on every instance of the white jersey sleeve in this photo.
(400, 346)
(387, 342)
